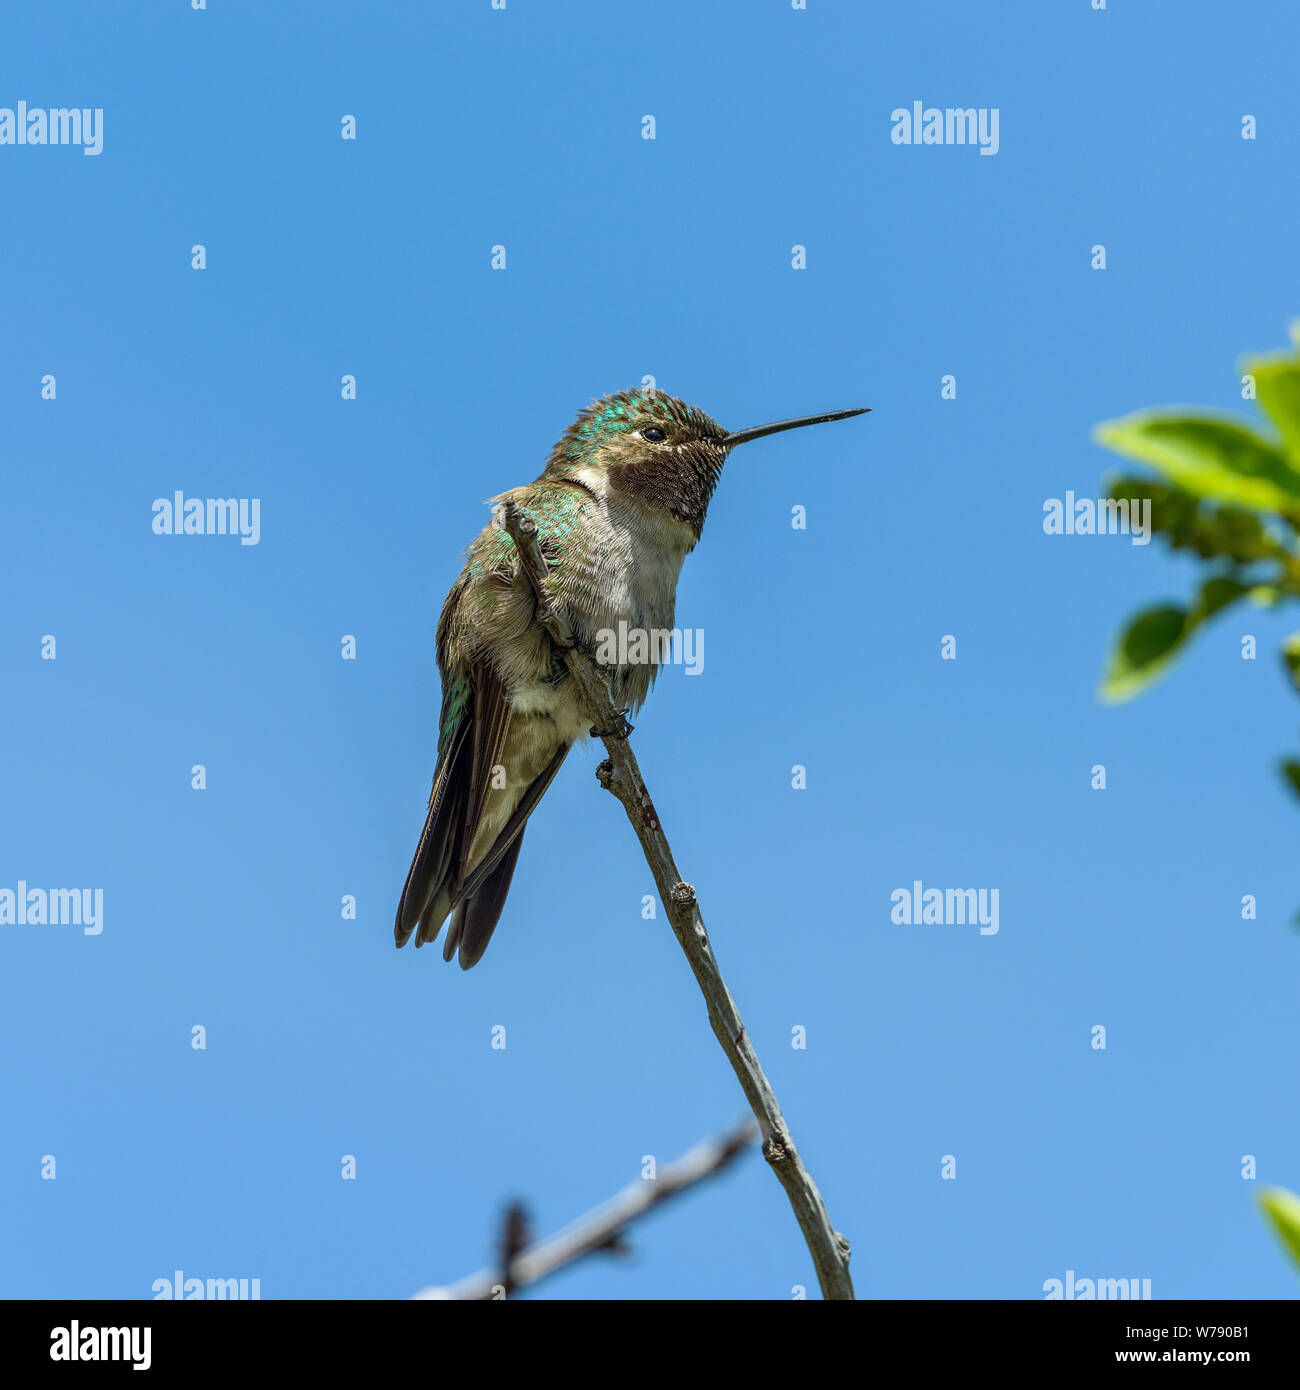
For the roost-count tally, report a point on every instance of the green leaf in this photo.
(1277, 385)
(1291, 658)
(1291, 771)
(1154, 637)
(1210, 456)
(1145, 648)
(1173, 511)
(1216, 594)
(1239, 535)
(1283, 1209)
(1184, 522)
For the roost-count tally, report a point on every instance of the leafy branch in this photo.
(1230, 494)
(1227, 492)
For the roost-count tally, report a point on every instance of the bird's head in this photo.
(657, 448)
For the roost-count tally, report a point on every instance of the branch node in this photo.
(617, 1244)
(516, 1236)
(683, 894)
(774, 1149)
(605, 774)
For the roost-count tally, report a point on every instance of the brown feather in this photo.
(435, 852)
(476, 918)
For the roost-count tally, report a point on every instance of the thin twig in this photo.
(599, 1230)
(621, 775)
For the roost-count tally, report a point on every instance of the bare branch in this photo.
(621, 775)
(600, 1230)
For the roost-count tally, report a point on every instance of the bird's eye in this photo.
(653, 433)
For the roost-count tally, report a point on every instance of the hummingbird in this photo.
(618, 507)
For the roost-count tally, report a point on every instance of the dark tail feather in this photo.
(433, 884)
(475, 879)
(429, 878)
(475, 918)
(436, 883)
(478, 900)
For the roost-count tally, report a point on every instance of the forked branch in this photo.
(601, 1230)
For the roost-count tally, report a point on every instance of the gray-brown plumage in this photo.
(620, 504)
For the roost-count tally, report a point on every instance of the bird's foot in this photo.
(544, 614)
(619, 728)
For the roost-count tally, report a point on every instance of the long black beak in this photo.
(758, 431)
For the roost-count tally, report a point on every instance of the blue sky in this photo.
(628, 257)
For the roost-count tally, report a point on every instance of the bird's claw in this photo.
(620, 728)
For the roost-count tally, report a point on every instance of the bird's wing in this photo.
(475, 717)
(473, 727)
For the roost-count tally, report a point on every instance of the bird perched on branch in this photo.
(620, 504)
